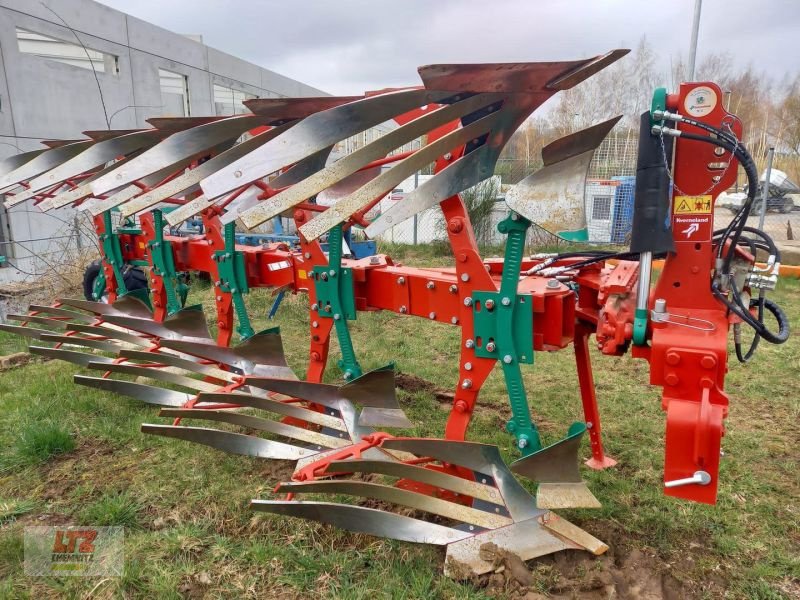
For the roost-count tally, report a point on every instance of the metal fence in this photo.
(608, 200)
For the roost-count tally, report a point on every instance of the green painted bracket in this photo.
(640, 327)
(659, 103)
(112, 253)
(164, 263)
(99, 286)
(233, 279)
(336, 300)
(504, 330)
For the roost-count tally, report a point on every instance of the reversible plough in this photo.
(449, 491)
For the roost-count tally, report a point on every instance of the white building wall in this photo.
(46, 99)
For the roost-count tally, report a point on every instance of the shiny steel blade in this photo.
(388, 180)
(156, 373)
(109, 332)
(29, 332)
(84, 190)
(359, 519)
(176, 148)
(261, 354)
(465, 172)
(350, 164)
(232, 443)
(295, 108)
(97, 155)
(320, 440)
(313, 134)
(187, 323)
(193, 176)
(15, 161)
(557, 463)
(167, 358)
(429, 504)
(73, 356)
(43, 162)
(481, 458)
(148, 394)
(521, 78)
(57, 323)
(129, 306)
(74, 340)
(61, 312)
(98, 205)
(553, 197)
(421, 474)
(286, 409)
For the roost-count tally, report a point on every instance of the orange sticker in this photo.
(302, 274)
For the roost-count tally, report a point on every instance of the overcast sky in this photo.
(348, 46)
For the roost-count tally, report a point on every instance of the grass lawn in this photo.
(73, 455)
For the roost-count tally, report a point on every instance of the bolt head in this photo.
(522, 443)
(490, 347)
(466, 384)
(489, 304)
(307, 255)
(332, 273)
(432, 316)
(505, 301)
(507, 359)
(430, 285)
(337, 316)
(348, 375)
(401, 280)
(468, 366)
(315, 306)
(314, 324)
(468, 301)
(454, 320)
(403, 309)
(453, 289)
(553, 284)
(448, 156)
(470, 343)
(465, 277)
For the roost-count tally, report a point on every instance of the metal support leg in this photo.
(591, 413)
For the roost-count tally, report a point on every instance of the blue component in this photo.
(623, 209)
(276, 304)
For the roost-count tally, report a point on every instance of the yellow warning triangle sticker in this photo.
(684, 207)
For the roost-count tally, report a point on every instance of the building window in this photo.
(68, 53)
(174, 94)
(228, 101)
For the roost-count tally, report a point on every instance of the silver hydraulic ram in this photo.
(651, 231)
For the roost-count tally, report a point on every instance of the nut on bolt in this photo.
(453, 289)
(466, 384)
(469, 343)
(491, 347)
(401, 280)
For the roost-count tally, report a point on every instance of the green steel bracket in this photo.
(640, 327)
(164, 264)
(659, 103)
(233, 279)
(336, 300)
(99, 286)
(112, 253)
(504, 330)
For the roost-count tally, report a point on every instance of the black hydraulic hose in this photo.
(749, 166)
